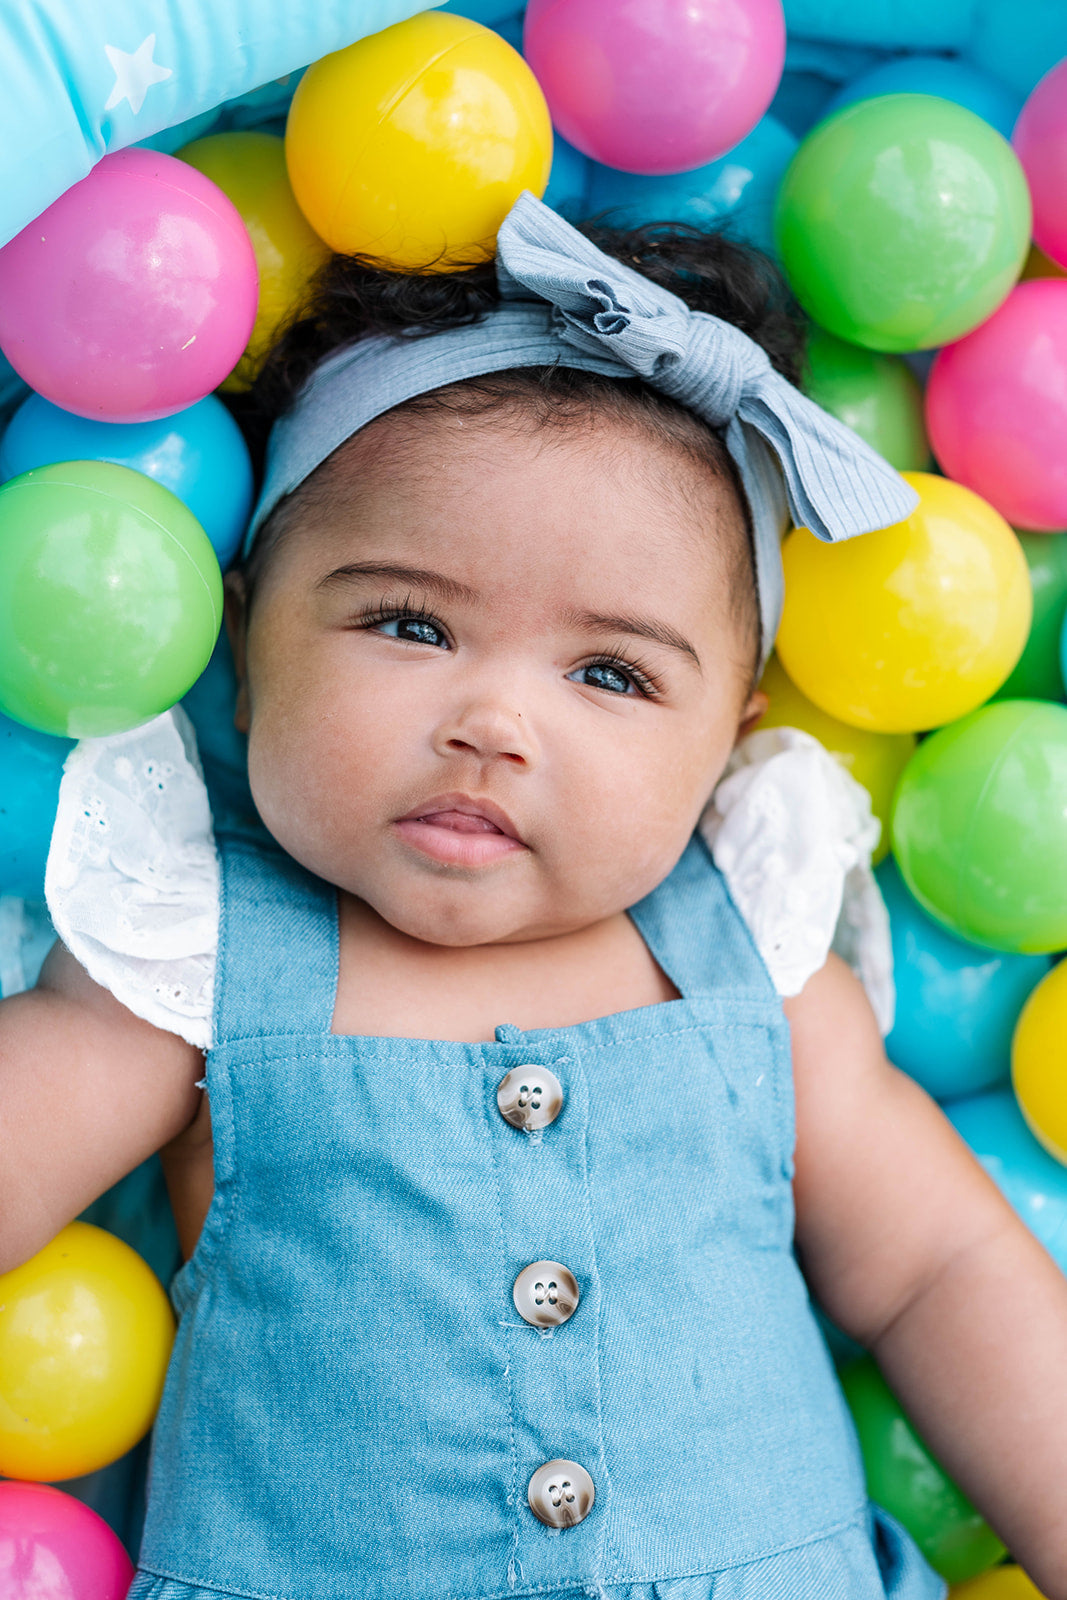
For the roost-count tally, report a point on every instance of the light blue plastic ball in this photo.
(568, 181)
(1033, 1182)
(737, 192)
(957, 1003)
(199, 454)
(994, 102)
(31, 765)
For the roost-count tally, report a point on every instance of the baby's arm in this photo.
(911, 1248)
(87, 1092)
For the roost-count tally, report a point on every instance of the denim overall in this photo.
(354, 1407)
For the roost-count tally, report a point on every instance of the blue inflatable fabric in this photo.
(81, 80)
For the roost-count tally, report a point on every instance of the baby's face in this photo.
(598, 744)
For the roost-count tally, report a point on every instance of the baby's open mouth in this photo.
(459, 822)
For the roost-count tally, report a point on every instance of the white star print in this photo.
(134, 74)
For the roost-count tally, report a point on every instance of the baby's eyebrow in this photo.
(446, 588)
(639, 627)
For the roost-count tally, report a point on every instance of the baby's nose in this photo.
(488, 726)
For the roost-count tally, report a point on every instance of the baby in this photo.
(510, 1147)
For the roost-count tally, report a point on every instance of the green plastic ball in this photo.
(875, 395)
(1038, 675)
(903, 1477)
(903, 222)
(979, 826)
(110, 598)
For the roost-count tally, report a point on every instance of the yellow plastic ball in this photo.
(1002, 1583)
(875, 760)
(250, 169)
(911, 626)
(86, 1331)
(412, 145)
(1039, 1062)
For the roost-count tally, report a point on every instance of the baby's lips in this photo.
(454, 806)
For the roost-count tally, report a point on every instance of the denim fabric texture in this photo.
(354, 1407)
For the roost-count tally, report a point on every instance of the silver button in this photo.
(529, 1097)
(561, 1493)
(545, 1294)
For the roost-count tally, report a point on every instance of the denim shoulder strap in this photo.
(278, 944)
(697, 934)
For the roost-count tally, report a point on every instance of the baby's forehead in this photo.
(604, 481)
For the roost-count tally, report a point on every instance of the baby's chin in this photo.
(462, 916)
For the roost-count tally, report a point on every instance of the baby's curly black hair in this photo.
(354, 297)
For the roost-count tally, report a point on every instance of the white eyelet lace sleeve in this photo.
(792, 833)
(132, 882)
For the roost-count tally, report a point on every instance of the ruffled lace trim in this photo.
(792, 833)
(133, 881)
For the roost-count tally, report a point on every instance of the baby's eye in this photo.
(606, 675)
(417, 630)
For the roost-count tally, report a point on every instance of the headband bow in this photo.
(836, 484)
(564, 302)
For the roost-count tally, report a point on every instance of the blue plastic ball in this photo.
(957, 1003)
(198, 454)
(1033, 1182)
(31, 765)
(736, 192)
(568, 181)
(994, 102)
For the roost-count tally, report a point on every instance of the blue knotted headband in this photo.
(564, 302)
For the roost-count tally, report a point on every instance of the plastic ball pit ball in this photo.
(1003, 1583)
(1033, 1182)
(250, 169)
(957, 1003)
(903, 1477)
(911, 626)
(737, 192)
(32, 766)
(133, 295)
(1039, 1062)
(875, 760)
(903, 222)
(198, 454)
(979, 827)
(996, 407)
(110, 598)
(86, 1331)
(1038, 674)
(1040, 140)
(52, 1547)
(413, 144)
(875, 395)
(994, 102)
(656, 86)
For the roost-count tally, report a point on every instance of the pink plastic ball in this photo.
(52, 1547)
(656, 86)
(1040, 141)
(132, 296)
(996, 407)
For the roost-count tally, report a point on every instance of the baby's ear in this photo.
(751, 712)
(236, 602)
